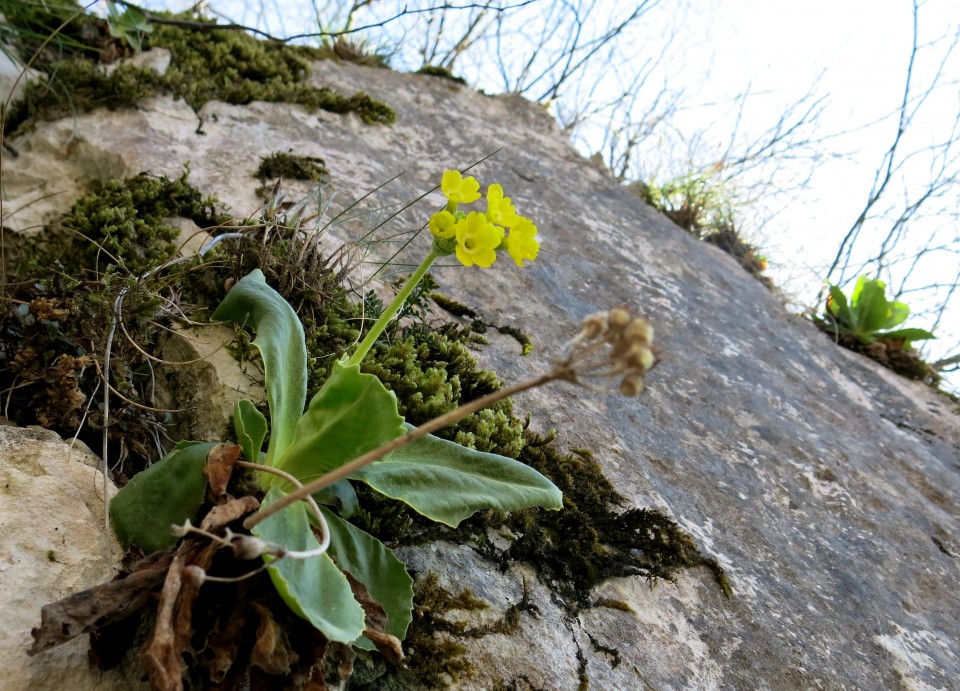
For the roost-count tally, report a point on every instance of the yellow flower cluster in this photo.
(476, 237)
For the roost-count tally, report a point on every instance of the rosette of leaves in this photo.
(868, 316)
(351, 414)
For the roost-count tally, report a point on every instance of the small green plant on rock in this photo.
(868, 316)
(347, 584)
(867, 322)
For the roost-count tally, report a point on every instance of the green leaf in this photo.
(313, 588)
(871, 307)
(839, 308)
(341, 496)
(165, 494)
(351, 414)
(907, 335)
(899, 311)
(447, 482)
(373, 564)
(282, 346)
(251, 428)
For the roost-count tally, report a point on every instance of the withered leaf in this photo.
(375, 618)
(341, 656)
(374, 615)
(272, 651)
(389, 646)
(222, 645)
(233, 509)
(161, 659)
(96, 607)
(219, 467)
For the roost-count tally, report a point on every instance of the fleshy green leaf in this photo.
(251, 428)
(373, 564)
(447, 482)
(907, 334)
(839, 308)
(341, 496)
(899, 311)
(165, 494)
(871, 307)
(351, 414)
(282, 346)
(313, 588)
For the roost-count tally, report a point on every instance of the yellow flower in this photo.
(499, 208)
(458, 189)
(477, 240)
(441, 225)
(522, 242)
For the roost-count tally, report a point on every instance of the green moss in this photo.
(29, 23)
(610, 603)
(433, 374)
(229, 66)
(590, 541)
(434, 659)
(457, 309)
(521, 336)
(80, 86)
(121, 225)
(290, 167)
(438, 71)
(357, 51)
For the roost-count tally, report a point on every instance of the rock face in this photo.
(826, 487)
(54, 544)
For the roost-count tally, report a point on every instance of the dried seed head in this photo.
(594, 326)
(639, 331)
(249, 547)
(181, 530)
(618, 318)
(194, 575)
(638, 357)
(632, 384)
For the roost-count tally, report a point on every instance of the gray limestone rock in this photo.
(826, 487)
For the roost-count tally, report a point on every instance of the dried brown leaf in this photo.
(375, 618)
(161, 659)
(374, 615)
(96, 607)
(389, 646)
(341, 656)
(272, 651)
(233, 509)
(222, 645)
(173, 629)
(219, 467)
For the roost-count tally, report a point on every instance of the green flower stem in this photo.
(392, 309)
(562, 371)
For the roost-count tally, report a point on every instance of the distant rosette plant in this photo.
(477, 237)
